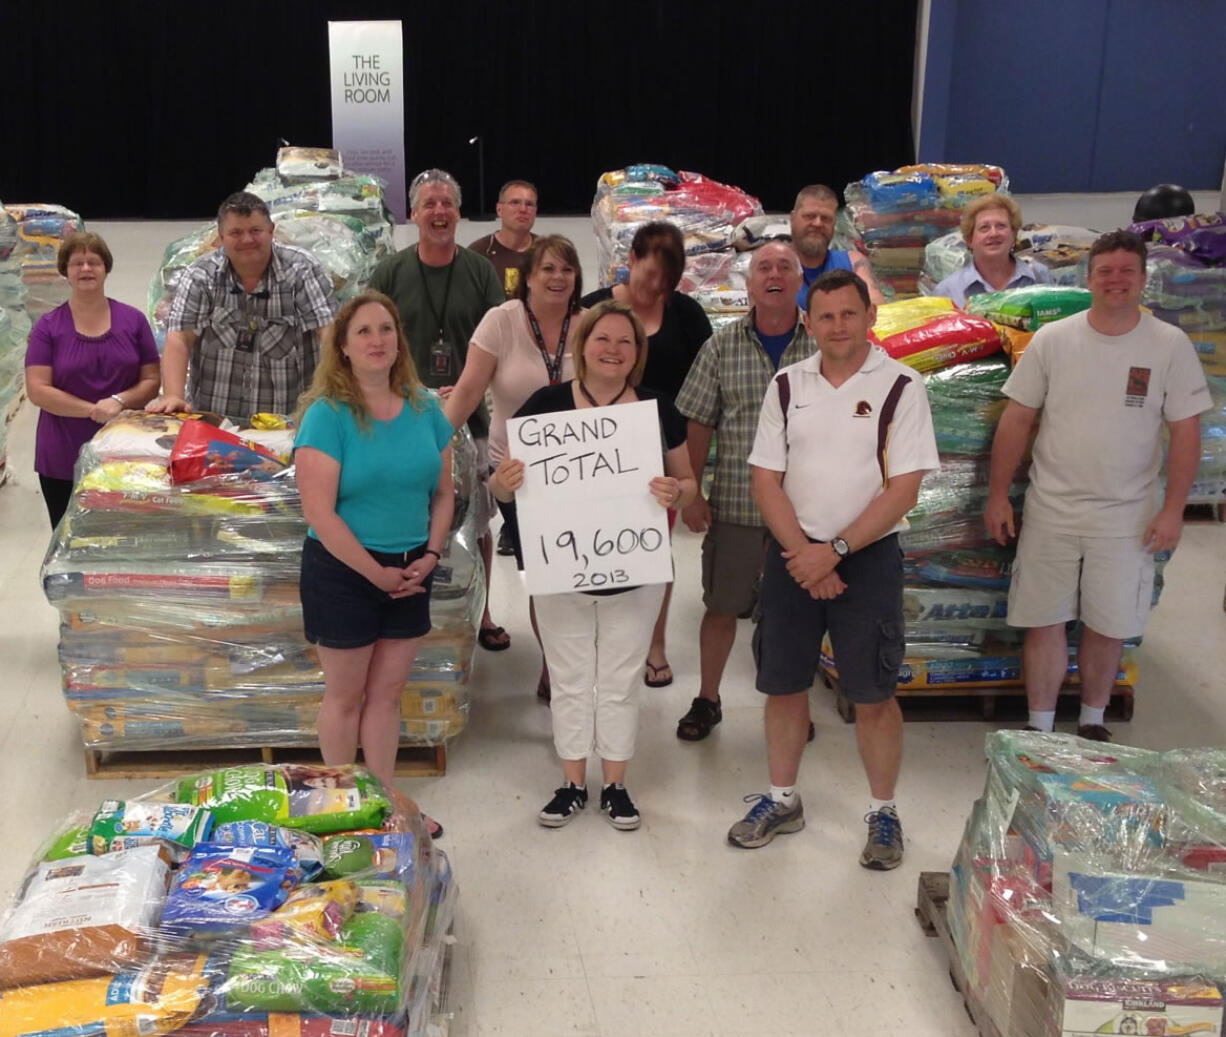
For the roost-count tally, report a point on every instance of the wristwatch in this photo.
(840, 547)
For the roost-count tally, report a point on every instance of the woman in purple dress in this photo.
(87, 361)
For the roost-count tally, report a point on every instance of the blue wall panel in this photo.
(1163, 111)
(1079, 95)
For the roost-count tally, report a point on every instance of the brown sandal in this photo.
(697, 723)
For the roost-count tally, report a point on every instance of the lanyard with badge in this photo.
(440, 351)
(552, 366)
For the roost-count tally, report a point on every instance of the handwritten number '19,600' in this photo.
(623, 542)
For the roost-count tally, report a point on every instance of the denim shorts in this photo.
(341, 608)
(865, 623)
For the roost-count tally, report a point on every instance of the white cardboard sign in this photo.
(587, 519)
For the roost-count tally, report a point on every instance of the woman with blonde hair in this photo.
(594, 640)
(373, 460)
(989, 228)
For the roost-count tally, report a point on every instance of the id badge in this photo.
(440, 360)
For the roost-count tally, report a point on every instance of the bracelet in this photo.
(431, 551)
(119, 399)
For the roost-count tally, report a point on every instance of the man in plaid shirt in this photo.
(246, 321)
(722, 396)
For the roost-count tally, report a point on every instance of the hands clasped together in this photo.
(813, 567)
(400, 583)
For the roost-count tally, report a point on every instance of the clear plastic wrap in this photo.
(265, 930)
(41, 227)
(706, 212)
(1183, 290)
(1210, 484)
(180, 620)
(1087, 893)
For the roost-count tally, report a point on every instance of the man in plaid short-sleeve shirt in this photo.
(722, 397)
(246, 321)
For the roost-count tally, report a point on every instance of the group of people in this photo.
(821, 444)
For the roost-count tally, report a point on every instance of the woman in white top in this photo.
(519, 347)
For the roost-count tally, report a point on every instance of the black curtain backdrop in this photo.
(138, 110)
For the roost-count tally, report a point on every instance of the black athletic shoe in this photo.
(504, 542)
(566, 803)
(615, 801)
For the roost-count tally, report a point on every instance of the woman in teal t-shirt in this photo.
(373, 459)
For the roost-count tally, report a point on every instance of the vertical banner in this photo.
(367, 63)
(587, 520)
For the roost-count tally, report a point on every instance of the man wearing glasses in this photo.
(246, 321)
(509, 248)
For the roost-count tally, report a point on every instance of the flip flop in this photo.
(652, 677)
(493, 639)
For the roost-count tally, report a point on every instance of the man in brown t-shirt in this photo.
(509, 246)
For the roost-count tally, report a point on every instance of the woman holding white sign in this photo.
(520, 347)
(594, 640)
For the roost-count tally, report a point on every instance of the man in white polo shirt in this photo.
(843, 441)
(1107, 381)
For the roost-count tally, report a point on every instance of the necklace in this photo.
(592, 399)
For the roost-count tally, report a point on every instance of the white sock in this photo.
(875, 805)
(1043, 719)
(1090, 715)
(785, 796)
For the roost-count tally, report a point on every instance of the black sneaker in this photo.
(622, 812)
(505, 547)
(566, 803)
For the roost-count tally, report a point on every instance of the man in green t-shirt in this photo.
(442, 291)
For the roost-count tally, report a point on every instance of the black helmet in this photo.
(1161, 202)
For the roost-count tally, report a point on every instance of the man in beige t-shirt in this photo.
(1107, 381)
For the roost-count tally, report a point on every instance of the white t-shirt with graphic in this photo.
(1104, 400)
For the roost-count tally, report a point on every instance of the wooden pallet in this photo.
(414, 761)
(958, 702)
(1205, 511)
(931, 899)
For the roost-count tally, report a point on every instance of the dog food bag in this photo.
(121, 825)
(153, 1000)
(314, 798)
(1030, 307)
(314, 912)
(382, 854)
(83, 916)
(308, 849)
(220, 890)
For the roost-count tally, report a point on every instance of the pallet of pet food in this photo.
(265, 899)
(895, 214)
(705, 211)
(41, 228)
(176, 572)
(1086, 895)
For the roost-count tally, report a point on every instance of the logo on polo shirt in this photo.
(1138, 387)
(864, 409)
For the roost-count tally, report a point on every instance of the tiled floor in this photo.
(667, 930)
